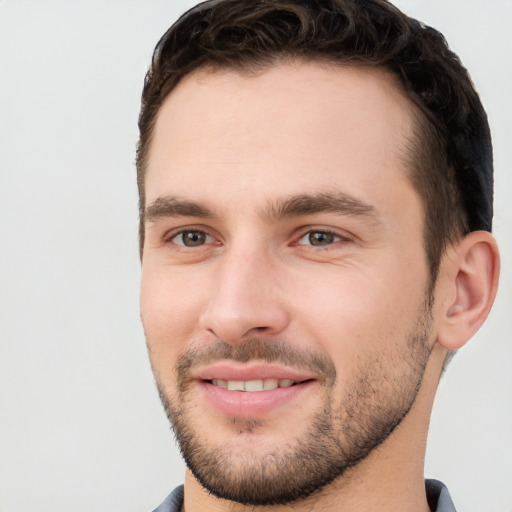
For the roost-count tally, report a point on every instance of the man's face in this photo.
(284, 277)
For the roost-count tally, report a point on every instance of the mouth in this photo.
(253, 386)
(240, 390)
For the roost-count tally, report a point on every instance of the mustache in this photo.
(268, 351)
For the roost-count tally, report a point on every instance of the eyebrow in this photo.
(294, 206)
(169, 206)
(339, 203)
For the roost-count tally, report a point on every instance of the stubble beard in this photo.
(339, 436)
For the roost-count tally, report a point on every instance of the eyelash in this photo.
(170, 238)
(336, 235)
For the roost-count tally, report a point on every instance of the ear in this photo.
(469, 274)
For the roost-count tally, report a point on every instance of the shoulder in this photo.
(438, 497)
(173, 502)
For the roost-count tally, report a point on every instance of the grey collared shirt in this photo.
(438, 498)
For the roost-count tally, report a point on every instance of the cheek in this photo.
(357, 313)
(170, 308)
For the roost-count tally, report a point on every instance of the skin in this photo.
(240, 146)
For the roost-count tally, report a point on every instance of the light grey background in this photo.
(81, 428)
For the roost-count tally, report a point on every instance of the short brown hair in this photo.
(450, 157)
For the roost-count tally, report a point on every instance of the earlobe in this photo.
(471, 274)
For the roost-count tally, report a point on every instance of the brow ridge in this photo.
(169, 206)
(293, 206)
(306, 204)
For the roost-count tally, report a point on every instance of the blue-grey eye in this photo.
(191, 238)
(319, 238)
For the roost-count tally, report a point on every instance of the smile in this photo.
(253, 385)
(252, 389)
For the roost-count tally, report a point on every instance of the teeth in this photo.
(220, 383)
(253, 385)
(270, 384)
(236, 385)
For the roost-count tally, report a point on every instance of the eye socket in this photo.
(191, 238)
(319, 238)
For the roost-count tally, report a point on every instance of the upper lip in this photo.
(230, 370)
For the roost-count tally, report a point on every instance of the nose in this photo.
(245, 300)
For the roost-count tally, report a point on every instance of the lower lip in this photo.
(246, 404)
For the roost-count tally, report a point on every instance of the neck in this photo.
(390, 479)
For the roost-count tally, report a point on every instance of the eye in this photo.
(319, 238)
(191, 238)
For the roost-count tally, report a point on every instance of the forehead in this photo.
(291, 126)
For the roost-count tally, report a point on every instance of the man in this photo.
(316, 203)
